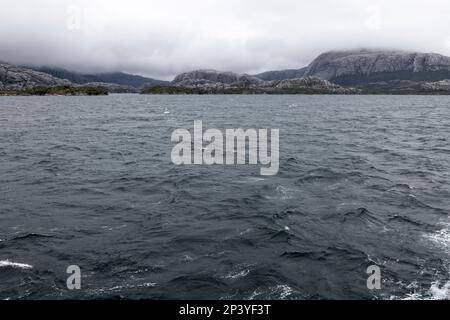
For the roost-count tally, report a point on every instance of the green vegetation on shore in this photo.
(54, 91)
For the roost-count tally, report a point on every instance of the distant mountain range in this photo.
(363, 70)
(354, 71)
(119, 78)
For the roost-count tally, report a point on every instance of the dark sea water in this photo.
(88, 181)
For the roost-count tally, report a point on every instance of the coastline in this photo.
(57, 91)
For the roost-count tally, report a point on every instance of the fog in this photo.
(163, 38)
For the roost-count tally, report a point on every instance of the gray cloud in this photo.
(163, 38)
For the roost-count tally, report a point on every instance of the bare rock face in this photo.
(199, 77)
(370, 63)
(308, 82)
(313, 84)
(18, 78)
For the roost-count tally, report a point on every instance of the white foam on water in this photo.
(283, 193)
(124, 287)
(438, 290)
(249, 180)
(440, 293)
(441, 237)
(245, 231)
(255, 179)
(7, 263)
(238, 274)
(284, 291)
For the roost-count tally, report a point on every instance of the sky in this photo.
(163, 38)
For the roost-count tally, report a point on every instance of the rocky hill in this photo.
(360, 67)
(19, 78)
(312, 84)
(198, 77)
(215, 82)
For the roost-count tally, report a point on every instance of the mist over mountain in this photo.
(118, 78)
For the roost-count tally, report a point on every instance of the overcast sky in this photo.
(166, 37)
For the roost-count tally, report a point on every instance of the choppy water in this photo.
(88, 181)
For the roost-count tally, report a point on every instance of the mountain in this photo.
(281, 74)
(23, 80)
(119, 78)
(18, 78)
(362, 67)
(213, 76)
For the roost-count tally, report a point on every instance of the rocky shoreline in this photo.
(57, 91)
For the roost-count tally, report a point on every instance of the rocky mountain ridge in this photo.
(359, 67)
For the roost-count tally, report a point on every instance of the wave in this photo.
(361, 215)
(237, 274)
(30, 236)
(7, 263)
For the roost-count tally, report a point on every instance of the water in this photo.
(88, 181)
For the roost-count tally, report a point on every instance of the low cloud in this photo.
(164, 38)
